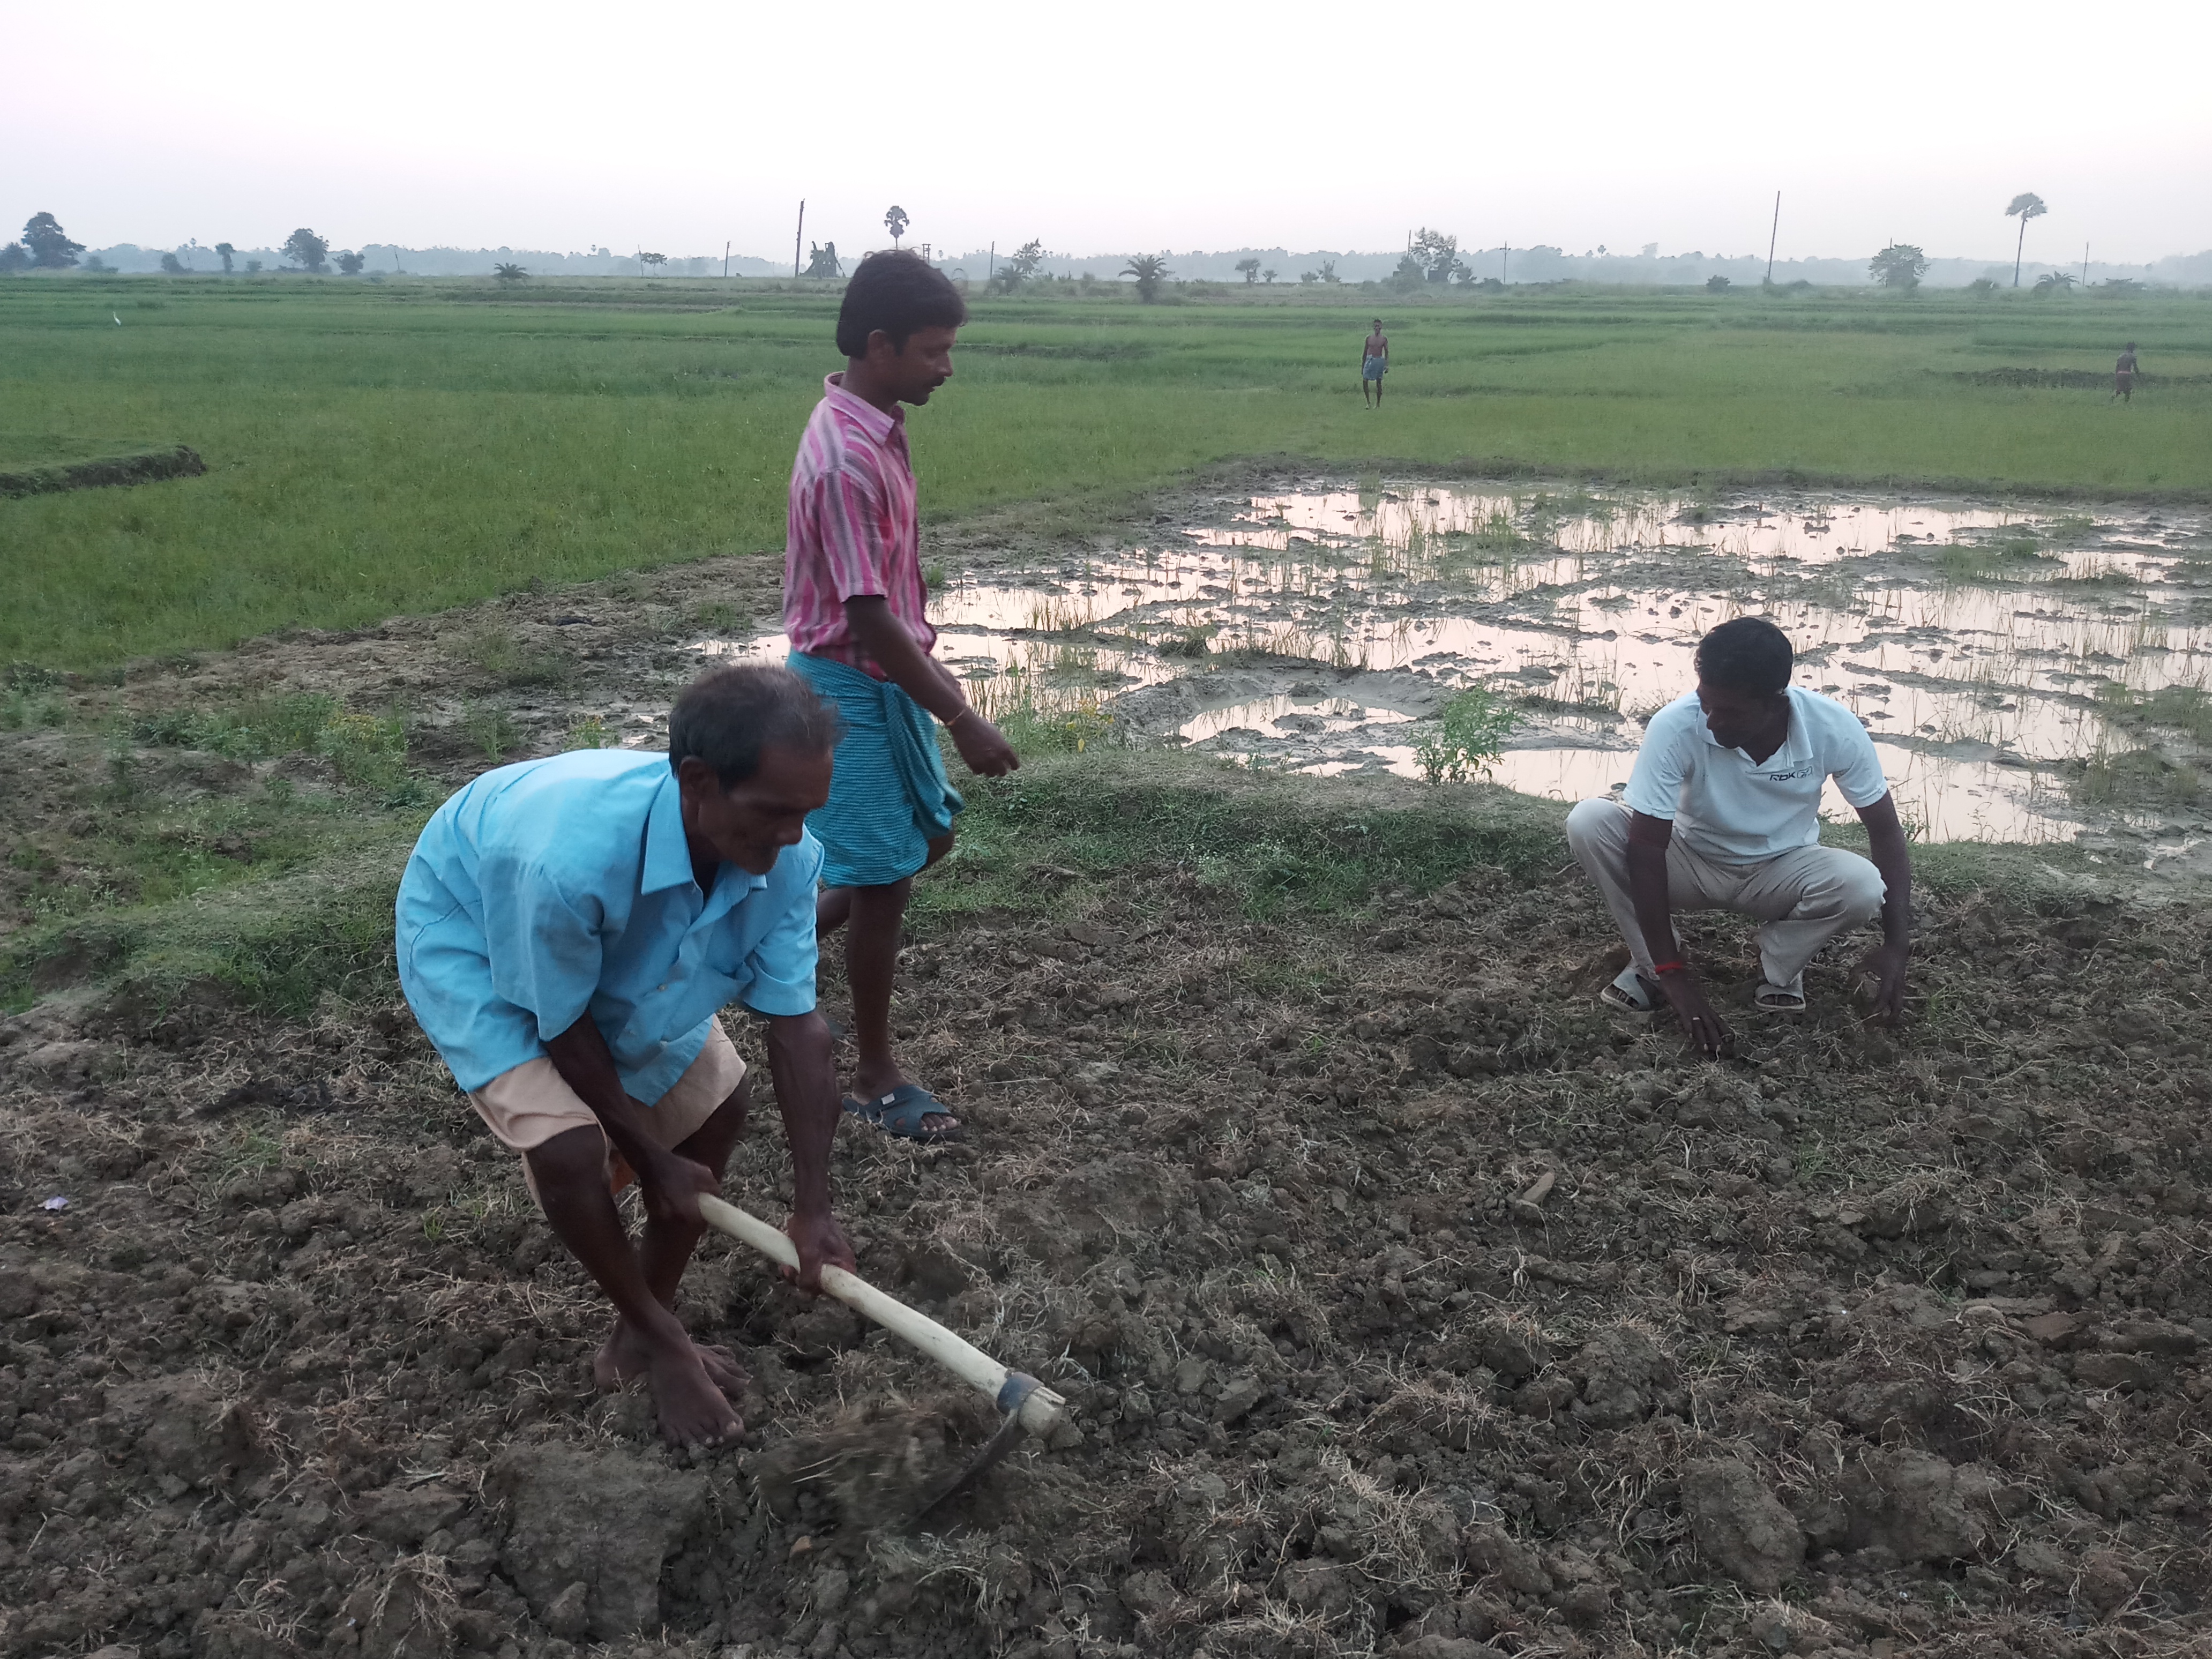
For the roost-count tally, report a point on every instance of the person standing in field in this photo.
(568, 930)
(856, 612)
(1722, 814)
(2124, 375)
(1373, 364)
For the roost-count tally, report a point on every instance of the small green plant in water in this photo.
(1196, 640)
(1470, 735)
(589, 732)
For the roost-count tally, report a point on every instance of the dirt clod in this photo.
(605, 1520)
(1740, 1525)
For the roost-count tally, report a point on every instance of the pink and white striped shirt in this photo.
(852, 529)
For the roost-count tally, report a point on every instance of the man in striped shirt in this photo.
(856, 612)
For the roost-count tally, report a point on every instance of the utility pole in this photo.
(1771, 234)
(1504, 254)
(795, 236)
(2084, 264)
(725, 261)
(993, 269)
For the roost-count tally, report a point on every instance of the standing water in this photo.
(2029, 675)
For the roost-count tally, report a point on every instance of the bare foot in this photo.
(692, 1409)
(626, 1357)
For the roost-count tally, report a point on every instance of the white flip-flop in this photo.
(1630, 993)
(1781, 999)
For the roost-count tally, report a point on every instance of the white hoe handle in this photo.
(1041, 1411)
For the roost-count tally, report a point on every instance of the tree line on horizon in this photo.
(1431, 257)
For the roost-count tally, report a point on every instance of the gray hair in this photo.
(730, 714)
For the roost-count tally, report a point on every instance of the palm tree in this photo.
(2028, 205)
(895, 222)
(509, 273)
(1149, 269)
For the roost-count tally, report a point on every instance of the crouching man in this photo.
(1722, 814)
(568, 930)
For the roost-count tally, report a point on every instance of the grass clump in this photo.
(497, 655)
(279, 945)
(368, 753)
(2187, 708)
(2013, 556)
(2138, 777)
(1469, 735)
(1269, 845)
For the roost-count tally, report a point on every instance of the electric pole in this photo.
(1775, 231)
(725, 261)
(795, 236)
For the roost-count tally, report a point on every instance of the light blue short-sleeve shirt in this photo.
(554, 888)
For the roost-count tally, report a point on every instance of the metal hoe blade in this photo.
(1019, 1385)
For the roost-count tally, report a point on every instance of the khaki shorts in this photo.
(526, 1107)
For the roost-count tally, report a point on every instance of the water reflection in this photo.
(1981, 645)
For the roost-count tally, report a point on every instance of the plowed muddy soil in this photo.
(1408, 1303)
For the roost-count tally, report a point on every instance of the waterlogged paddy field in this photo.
(2029, 674)
(380, 449)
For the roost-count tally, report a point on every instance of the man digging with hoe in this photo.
(1722, 814)
(568, 930)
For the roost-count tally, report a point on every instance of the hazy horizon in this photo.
(1189, 127)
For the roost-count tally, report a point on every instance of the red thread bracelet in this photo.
(1669, 968)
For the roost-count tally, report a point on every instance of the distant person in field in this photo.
(856, 612)
(1722, 814)
(568, 931)
(1373, 364)
(2124, 375)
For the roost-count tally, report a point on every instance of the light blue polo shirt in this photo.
(555, 887)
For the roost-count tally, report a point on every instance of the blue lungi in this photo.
(889, 796)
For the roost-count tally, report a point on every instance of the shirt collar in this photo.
(668, 854)
(878, 425)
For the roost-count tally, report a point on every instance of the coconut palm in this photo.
(2026, 205)
(509, 273)
(1150, 270)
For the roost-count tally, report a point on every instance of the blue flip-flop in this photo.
(900, 1112)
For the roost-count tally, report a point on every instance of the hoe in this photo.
(1026, 1404)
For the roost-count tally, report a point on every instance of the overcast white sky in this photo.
(1195, 125)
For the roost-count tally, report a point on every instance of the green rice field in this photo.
(375, 449)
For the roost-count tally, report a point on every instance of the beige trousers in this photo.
(1803, 898)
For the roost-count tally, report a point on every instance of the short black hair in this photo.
(1748, 655)
(730, 714)
(898, 292)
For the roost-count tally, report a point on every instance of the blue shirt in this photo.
(556, 887)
